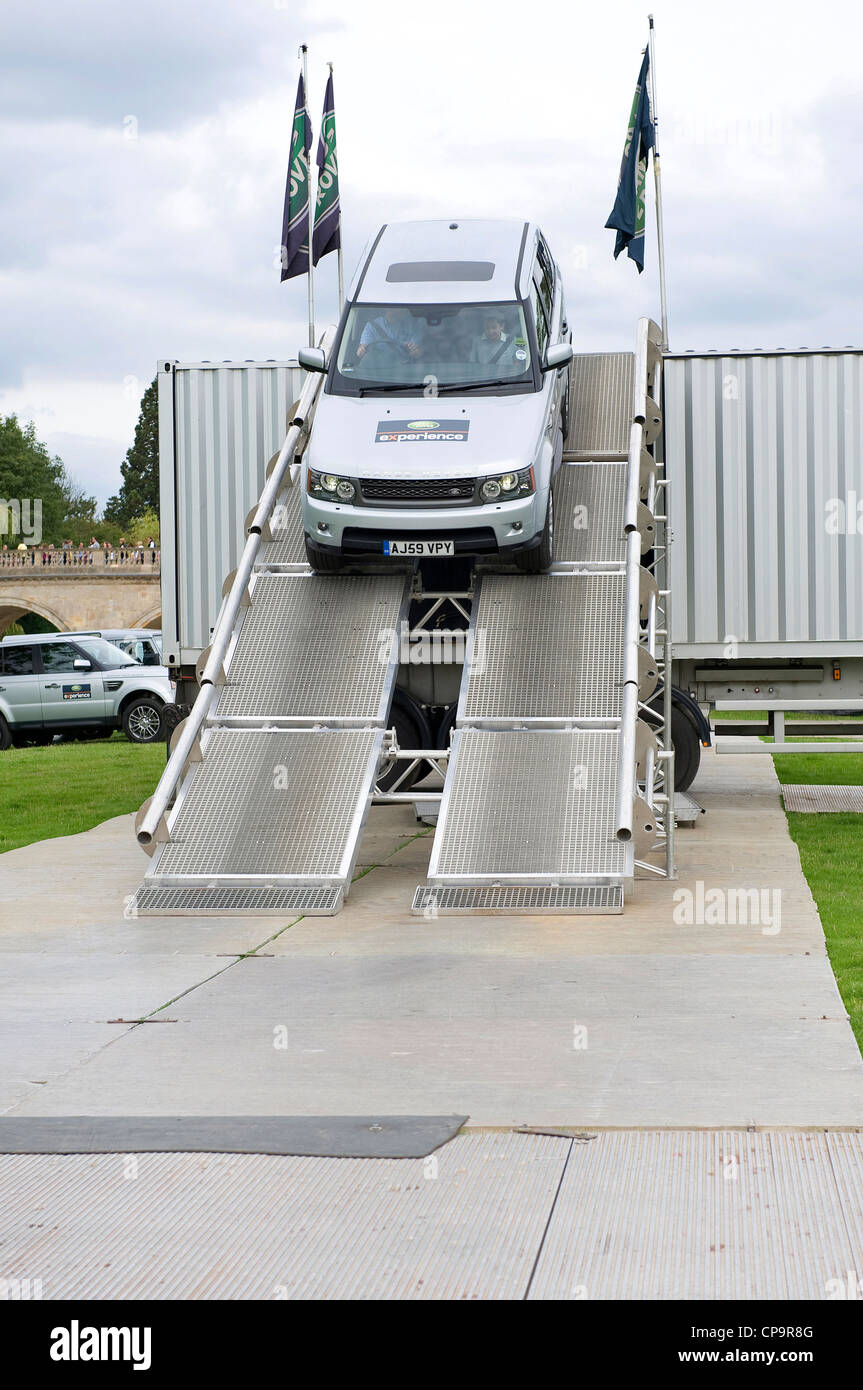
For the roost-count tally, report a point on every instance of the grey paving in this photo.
(656, 1018)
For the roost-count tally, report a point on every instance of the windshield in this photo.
(386, 346)
(105, 652)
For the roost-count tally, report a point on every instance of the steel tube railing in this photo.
(229, 612)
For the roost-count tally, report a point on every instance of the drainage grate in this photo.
(594, 899)
(221, 901)
(802, 797)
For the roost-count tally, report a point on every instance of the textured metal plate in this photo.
(600, 405)
(316, 647)
(545, 647)
(588, 514)
(802, 797)
(286, 547)
(273, 804)
(222, 901)
(527, 806)
(592, 899)
(465, 1223)
(704, 1216)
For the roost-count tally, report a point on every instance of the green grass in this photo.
(69, 787)
(831, 852)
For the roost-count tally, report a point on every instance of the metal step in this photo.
(588, 899)
(530, 807)
(271, 807)
(545, 647)
(215, 900)
(588, 514)
(316, 648)
(601, 386)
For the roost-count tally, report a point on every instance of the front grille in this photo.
(417, 489)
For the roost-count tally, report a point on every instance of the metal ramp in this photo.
(542, 809)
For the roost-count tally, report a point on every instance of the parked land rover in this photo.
(77, 685)
(440, 427)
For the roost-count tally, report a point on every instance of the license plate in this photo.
(419, 547)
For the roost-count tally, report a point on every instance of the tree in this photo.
(34, 488)
(141, 528)
(139, 492)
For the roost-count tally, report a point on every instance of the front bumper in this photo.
(493, 527)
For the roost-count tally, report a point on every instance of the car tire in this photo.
(143, 720)
(5, 735)
(324, 563)
(538, 559)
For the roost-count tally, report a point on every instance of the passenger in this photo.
(493, 345)
(394, 331)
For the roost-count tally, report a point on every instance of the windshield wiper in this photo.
(456, 386)
(392, 386)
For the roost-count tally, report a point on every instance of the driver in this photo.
(493, 344)
(395, 330)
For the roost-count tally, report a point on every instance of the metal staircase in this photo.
(556, 792)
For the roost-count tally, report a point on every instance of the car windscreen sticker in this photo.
(408, 431)
(76, 692)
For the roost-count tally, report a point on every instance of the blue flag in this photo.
(327, 231)
(627, 215)
(295, 222)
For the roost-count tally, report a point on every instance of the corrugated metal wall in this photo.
(229, 419)
(760, 449)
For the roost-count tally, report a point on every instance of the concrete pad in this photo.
(682, 1024)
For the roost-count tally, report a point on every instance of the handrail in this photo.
(626, 770)
(227, 618)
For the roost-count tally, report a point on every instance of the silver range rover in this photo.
(80, 686)
(440, 428)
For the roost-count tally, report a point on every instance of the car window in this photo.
(415, 344)
(545, 265)
(544, 286)
(16, 661)
(539, 319)
(59, 656)
(108, 654)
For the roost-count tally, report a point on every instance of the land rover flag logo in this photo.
(415, 431)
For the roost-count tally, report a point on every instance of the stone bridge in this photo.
(74, 599)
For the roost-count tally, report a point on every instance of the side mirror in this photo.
(313, 359)
(80, 664)
(559, 355)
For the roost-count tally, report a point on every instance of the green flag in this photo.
(327, 234)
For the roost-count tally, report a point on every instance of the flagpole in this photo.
(304, 51)
(339, 250)
(657, 179)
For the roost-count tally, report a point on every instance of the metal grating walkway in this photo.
(286, 547)
(588, 514)
(266, 806)
(528, 808)
(316, 647)
(600, 397)
(546, 647)
(589, 899)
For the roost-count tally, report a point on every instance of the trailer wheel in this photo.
(687, 749)
(412, 731)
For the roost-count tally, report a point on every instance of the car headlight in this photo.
(330, 485)
(508, 485)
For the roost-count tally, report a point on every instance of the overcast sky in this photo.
(144, 149)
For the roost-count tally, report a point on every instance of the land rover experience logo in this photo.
(413, 431)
